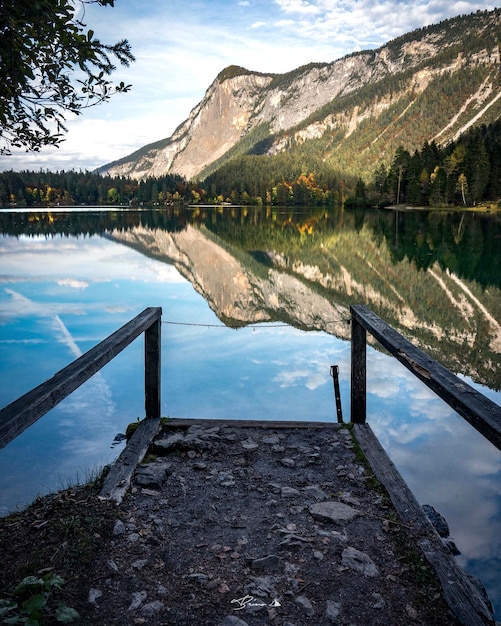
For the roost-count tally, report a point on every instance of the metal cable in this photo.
(263, 325)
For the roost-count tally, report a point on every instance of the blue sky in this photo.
(181, 46)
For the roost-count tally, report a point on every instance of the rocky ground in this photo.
(229, 526)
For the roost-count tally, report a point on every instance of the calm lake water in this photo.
(255, 304)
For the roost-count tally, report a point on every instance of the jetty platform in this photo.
(246, 523)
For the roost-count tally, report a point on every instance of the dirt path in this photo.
(227, 526)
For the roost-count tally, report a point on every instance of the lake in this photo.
(255, 311)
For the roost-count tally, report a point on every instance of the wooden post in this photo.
(482, 413)
(26, 410)
(358, 372)
(152, 366)
(337, 392)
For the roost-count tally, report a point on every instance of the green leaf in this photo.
(35, 604)
(6, 606)
(30, 582)
(53, 580)
(12, 621)
(66, 615)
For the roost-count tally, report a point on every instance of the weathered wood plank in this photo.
(483, 414)
(26, 410)
(178, 422)
(462, 596)
(118, 479)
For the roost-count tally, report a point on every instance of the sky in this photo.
(181, 46)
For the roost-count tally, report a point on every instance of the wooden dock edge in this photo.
(463, 598)
(119, 477)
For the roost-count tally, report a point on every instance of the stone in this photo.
(331, 511)
(94, 594)
(167, 443)
(312, 491)
(138, 597)
(437, 520)
(359, 562)
(270, 563)
(139, 564)
(152, 474)
(119, 528)
(262, 587)
(199, 577)
(378, 601)
(271, 439)
(332, 610)
(249, 444)
(305, 604)
(152, 608)
(287, 462)
(289, 492)
(233, 620)
(119, 438)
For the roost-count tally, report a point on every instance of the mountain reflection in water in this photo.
(70, 278)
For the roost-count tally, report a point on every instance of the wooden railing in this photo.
(26, 410)
(479, 411)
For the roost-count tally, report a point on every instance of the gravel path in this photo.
(254, 526)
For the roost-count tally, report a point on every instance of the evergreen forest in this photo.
(463, 173)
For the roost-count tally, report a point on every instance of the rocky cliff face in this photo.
(294, 106)
(233, 292)
(295, 290)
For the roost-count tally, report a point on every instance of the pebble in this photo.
(233, 620)
(379, 602)
(331, 511)
(359, 561)
(306, 605)
(270, 563)
(332, 610)
(119, 528)
(152, 474)
(271, 439)
(249, 444)
(152, 608)
(112, 566)
(138, 597)
(94, 594)
(312, 491)
(289, 492)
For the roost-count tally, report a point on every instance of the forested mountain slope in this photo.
(429, 85)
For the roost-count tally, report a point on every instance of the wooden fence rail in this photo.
(479, 411)
(26, 410)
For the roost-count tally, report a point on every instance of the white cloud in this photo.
(94, 261)
(75, 284)
(298, 6)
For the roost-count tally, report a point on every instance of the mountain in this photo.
(429, 85)
(252, 265)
